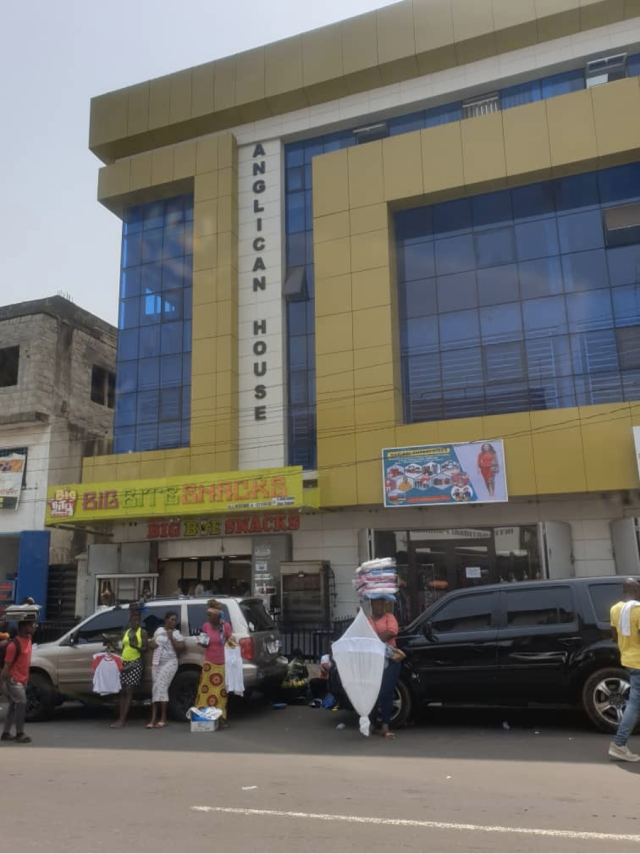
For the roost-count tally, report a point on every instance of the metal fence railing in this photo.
(51, 630)
(314, 640)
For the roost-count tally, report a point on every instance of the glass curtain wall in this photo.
(153, 380)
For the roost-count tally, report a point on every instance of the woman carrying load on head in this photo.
(214, 634)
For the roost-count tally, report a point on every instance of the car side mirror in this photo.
(72, 640)
(427, 630)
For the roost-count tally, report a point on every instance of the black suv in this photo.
(542, 642)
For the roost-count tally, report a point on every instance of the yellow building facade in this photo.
(414, 229)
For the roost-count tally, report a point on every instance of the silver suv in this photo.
(62, 670)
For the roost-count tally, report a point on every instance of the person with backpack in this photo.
(15, 656)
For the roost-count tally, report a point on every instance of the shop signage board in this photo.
(428, 475)
(12, 468)
(219, 526)
(220, 493)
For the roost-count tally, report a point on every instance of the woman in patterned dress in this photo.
(214, 635)
(134, 644)
(167, 643)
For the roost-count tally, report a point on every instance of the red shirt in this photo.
(215, 651)
(386, 623)
(19, 662)
(486, 460)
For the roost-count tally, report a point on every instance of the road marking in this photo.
(433, 825)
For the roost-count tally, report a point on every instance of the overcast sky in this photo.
(54, 56)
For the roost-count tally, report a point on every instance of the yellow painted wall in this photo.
(388, 45)
(357, 351)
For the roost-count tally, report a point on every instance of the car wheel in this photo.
(402, 705)
(40, 698)
(604, 697)
(182, 694)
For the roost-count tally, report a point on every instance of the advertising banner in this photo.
(426, 475)
(12, 467)
(230, 492)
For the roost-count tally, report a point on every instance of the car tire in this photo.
(41, 698)
(402, 705)
(182, 693)
(604, 696)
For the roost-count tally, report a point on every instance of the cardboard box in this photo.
(204, 726)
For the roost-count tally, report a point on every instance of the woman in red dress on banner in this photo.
(214, 634)
(488, 467)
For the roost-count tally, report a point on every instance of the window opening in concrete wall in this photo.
(9, 362)
(103, 386)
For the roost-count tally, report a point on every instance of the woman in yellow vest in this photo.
(134, 644)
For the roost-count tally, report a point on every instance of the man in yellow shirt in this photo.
(625, 628)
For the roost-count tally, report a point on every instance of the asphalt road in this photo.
(291, 781)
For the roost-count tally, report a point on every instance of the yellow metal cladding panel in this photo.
(152, 468)
(159, 102)
(184, 161)
(331, 227)
(334, 333)
(368, 218)
(526, 137)
(360, 45)
(395, 43)
(433, 25)
(206, 186)
(558, 453)
(205, 321)
(369, 483)
(338, 485)
(366, 175)
(507, 13)
(205, 287)
(609, 452)
(205, 215)
(332, 258)
(322, 55)
(334, 296)
(141, 171)
(472, 18)
(250, 76)
(207, 155)
(283, 67)
(372, 326)
(138, 109)
(442, 158)
(402, 166)
(600, 13)
(370, 288)
(572, 130)
(162, 166)
(616, 109)
(114, 180)
(370, 250)
(180, 97)
(202, 88)
(205, 252)
(330, 183)
(483, 150)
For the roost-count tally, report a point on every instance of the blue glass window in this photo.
(416, 261)
(559, 327)
(562, 84)
(523, 93)
(154, 363)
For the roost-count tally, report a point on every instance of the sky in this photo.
(54, 57)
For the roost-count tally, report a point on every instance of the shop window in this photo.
(9, 363)
(465, 614)
(540, 606)
(103, 386)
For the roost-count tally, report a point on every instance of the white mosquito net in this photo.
(359, 657)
